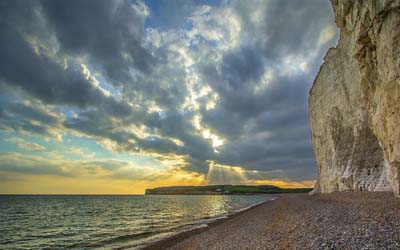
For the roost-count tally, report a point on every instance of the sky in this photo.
(111, 97)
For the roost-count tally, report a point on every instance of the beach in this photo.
(348, 220)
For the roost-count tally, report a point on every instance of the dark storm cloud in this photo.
(264, 124)
(243, 65)
(291, 27)
(283, 104)
(179, 126)
(110, 32)
(35, 72)
(94, 123)
(283, 150)
(40, 76)
(268, 129)
(30, 112)
(197, 149)
(26, 116)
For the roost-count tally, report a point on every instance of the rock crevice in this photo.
(355, 101)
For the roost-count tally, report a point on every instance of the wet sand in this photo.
(299, 221)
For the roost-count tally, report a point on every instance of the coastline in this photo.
(170, 240)
(299, 221)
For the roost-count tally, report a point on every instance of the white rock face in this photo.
(355, 101)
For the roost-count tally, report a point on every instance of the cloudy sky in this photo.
(118, 96)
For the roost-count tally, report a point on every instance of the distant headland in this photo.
(223, 190)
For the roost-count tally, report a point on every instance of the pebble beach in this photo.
(353, 220)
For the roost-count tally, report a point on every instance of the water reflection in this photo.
(105, 222)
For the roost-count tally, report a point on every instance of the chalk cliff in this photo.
(355, 101)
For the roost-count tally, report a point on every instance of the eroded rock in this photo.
(355, 101)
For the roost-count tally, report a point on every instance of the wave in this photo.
(253, 205)
(153, 227)
(122, 238)
(202, 224)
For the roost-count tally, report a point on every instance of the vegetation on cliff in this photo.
(224, 189)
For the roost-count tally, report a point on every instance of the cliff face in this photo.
(355, 101)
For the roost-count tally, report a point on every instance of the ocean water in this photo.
(107, 221)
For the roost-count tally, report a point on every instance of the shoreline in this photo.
(353, 220)
(168, 241)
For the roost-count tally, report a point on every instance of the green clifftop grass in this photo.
(224, 189)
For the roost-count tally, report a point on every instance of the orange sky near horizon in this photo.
(65, 185)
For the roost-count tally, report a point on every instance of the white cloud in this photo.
(25, 145)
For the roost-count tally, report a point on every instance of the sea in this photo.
(106, 222)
